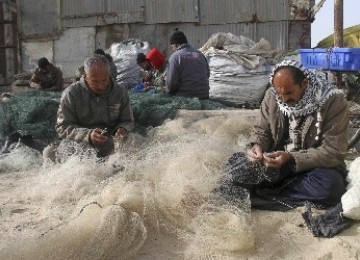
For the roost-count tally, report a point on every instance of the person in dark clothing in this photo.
(47, 77)
(188, 71)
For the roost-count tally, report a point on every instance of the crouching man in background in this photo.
(47, 77)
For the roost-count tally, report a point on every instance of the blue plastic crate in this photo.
(315, 58)
(345, 59)
(337, 59)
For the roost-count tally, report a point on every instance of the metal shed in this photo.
(67, 31)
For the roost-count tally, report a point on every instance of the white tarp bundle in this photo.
(239, 68)
(351, 199)
(124, 56)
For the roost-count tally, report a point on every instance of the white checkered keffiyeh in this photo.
(316, 94)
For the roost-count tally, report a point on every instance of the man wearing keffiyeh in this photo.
(302, 131)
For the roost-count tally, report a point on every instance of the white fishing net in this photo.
(161, 184)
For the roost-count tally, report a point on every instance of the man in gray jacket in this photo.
(94, 110)
(188, 71)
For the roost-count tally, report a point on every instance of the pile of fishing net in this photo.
(153, 109)
(33, 113)
(133, 202)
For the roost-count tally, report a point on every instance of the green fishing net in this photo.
(153, 109)
(34, 113)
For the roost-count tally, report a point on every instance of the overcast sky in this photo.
(323, 25)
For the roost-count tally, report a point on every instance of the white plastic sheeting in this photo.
(351, 199)
(239, 68)
(124, 56)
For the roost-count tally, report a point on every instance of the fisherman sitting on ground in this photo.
(188, 71)
(47, 76)
(299, 141)
(94, 110)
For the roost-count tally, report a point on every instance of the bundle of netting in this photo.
(32, 114)
(153, 109)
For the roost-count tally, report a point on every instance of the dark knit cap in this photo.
(178, 38)
(43, 63)
(99, 51)
(140, 58)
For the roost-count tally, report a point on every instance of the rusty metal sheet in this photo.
(190, 11)
(103, 12)
(223, 12)
(299, 34)
(113, 6)
(81, 8)
(171, 11)
(274, 10)
(38, 17)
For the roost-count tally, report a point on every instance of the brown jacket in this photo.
(329, 151)
(51, 81)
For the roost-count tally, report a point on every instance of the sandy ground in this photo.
(278, 235)
(43, 212)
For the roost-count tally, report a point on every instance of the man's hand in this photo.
(255, 154)
(121, 133)
(277, 159)
(36, 86)
(96, 137)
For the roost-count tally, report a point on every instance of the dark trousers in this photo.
(320, 185)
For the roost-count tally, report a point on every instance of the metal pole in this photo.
(339, 42)
(338, 32)
(338, 23)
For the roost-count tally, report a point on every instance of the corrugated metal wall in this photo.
(224, 12)
(160, 11)
(284, 23)
(255, 19)
(274, 10)
(84, 13)
(38, 19)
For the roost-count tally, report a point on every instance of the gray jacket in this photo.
(188, 73)
(329, 151)
(81, 110)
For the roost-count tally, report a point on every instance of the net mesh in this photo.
(34, 113)
(161, 184)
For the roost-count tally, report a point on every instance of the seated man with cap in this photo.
(188, 71)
